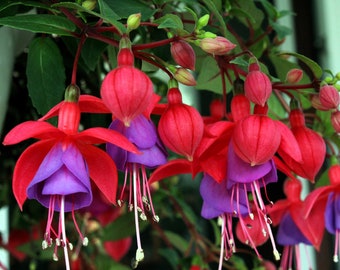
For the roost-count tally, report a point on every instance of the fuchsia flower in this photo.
(322, 206)
(56, 171)
(126, 90)
(256, 138)
(204, 148)
(312, 147)
(220, 202)
(293, 227)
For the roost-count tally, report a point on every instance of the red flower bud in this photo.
(294, 75)
(329, 97)
(180, 126)
(127, 92)
(312, 147)
(292, 189)
(256, 139)
(240, 107)
(257, 87)
(335, 120)
(185, 77)
(316, 103)
(216, 46)
(183, 54)
(334, 174)
(125, 57)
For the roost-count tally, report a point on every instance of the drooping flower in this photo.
(126, 90)
(256, 138)
(294, 229)
(322, 205)
(312, 147)
(220, 202)
(56, 170)
(180, 126)
(143, 134)
(243, 177)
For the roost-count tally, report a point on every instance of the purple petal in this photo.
(151, 157)
(51, 163)
(71, 179)
(118, 155)
(289, 234)
(240, 171)
(218, 200)
(332, 213)
(142, 132)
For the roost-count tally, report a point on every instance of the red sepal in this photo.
(27, 166)
(32, 129)
(173, 167)
(102, 135)
(102, 169)
(288, 144)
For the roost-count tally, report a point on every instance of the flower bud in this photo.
(257, 87)
(202, 21)
(335, 120)
(334, 174)
(329, 96)
(89, 4)
(185, 77)
(183, 54)
(216, 46)
(316, 103)
(133, 21)
(127, 92)
(180, 126)
(294, 75)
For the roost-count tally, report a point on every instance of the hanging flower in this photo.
(322, 205)
(243, 177)
(56, 171)
(294, 229)
(220, 202)
(143, 134)
(126, 90)
(312, 147)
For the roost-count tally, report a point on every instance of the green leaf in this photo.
(8, 3)
(125, 8)
(106, 262)
(252, 11)
(122, 227)
(281, 30)
(179, 242)
(170, 21)
(45, 74)
(313, 66)
(91, 52)
(40, 23)
(109, 15)
(171, 256)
